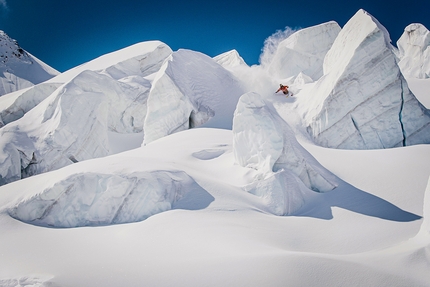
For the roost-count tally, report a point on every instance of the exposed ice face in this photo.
(18, 68)
(71, 124)
(93, 199)
(363, 101)
(414, 51)
(190, 90)
(304, 51)
(265, 142)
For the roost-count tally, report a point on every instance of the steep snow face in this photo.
(414, 51)
(425, 227)
(141, 59)
(363, 101)
(93, 199)
(304, 51)
(18, 68)
(263, 141)
(230, 59)
(190, 90)
(14, 105)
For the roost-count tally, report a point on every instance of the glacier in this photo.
(414, 51)
(18, 68)
(363, 101)
(304, 51)
(94, 199)
(190, 90)
(265, 142)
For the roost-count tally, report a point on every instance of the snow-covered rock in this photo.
(265, 142)
(414, 51)
(304, 51)
(230, 59)
(190, 90)
(93, 199)
(363, 101)
(18, 68)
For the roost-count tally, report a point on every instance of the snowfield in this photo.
(155, 167)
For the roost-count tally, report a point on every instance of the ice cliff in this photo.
(304, 52)
(362, 101)
(71, 123)
(265, 142)
(190, 90)
(18, 68)
(414, 51)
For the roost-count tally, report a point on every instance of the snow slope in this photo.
(232, 201)
(18, 68)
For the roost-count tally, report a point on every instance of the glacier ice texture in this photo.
(304, 51)
(414, 51)
(94, 199)
(190, 90)
(363, 101)
(265, 142)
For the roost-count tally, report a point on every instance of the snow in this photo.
(18, 68)
(414, 51)
(230, 59)
(304, 51)
(352, 108)
(241, 196)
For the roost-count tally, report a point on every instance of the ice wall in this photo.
(414, 51)
(265, 142)
(304, 51)
(190, 90)
(363, 101)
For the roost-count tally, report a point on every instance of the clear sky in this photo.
(65, 34)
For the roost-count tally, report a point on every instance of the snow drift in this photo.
(190, 90)
(18, 68)
(363, 101)
(414, 51)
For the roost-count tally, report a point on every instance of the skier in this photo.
(284, 89)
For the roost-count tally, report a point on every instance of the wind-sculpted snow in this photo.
(230, 59)
(18, 68)
(304, 51)
(14, 105)
(190, 90)
(93, 199)
(363, 101)
(414, 51)
(263, 141)
(425, 227)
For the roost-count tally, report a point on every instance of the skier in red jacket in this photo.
(284, 89)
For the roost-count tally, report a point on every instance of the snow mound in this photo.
(425, 227)
(363, 101)
(190, 90)
(265, 142)
(304, 51)
(93, 199)
(414, 51)
(230, 59)
(18, 68)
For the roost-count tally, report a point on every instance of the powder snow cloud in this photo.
(272, 42)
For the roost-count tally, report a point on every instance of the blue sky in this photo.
(65, 34)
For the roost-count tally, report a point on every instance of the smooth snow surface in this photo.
(153, 167)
